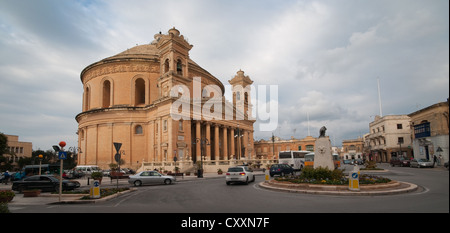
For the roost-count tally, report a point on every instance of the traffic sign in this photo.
(117, 145)
(117, 157)
(62, 155)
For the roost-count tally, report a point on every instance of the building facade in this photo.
(352, 149)
(269, 149)
(162, 105)
(389, 136)
(18, 149)
(431, 132)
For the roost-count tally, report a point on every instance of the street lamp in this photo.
(238, 136)
(202, 142)
(40, 162)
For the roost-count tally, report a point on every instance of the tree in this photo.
(3, 144)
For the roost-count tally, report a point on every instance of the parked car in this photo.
(44, 183)
(358, 162)
(280, 169)
(348, 161)
(400, 162)
(421, 163)
(150, 177)
(74, 174)
(446, 165)
(241, 174)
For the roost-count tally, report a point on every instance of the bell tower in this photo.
(174, 56)
(241, 87)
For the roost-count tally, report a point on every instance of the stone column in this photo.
(232, 150)
(225, 143)
(245, 144)
(216, 142)
(197, 142)
(208, 137)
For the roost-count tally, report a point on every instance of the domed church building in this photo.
(160, 105)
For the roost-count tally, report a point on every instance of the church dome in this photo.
(148, 51)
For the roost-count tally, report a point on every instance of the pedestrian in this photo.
(7, 176)
(434, 159)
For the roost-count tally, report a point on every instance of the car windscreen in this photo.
(235, 169)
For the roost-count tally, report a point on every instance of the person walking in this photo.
(7, 176)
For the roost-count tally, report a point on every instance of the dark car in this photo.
(400, 162)
(44, 183)
(280, 169)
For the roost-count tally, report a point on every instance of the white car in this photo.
(421, 163)
(150, 177)
(241, 174)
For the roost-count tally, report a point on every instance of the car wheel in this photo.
(228, 183)
(137, 183)
(167, 181)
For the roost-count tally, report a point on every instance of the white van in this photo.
(87, 169)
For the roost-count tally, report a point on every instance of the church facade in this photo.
(162, 106)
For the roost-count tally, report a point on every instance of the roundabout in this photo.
(391, 188)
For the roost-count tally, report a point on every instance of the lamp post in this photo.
(205, 142)
(238, 136)
(40, 162)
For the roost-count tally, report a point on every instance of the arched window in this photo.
(87, 96)
(139, 91)
(138, 129)
(166, 66)
(179, 67)
(106, 94)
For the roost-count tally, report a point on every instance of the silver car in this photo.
(421, 163)
(150, 177)
(241, 174)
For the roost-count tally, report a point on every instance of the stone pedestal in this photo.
(322, 154)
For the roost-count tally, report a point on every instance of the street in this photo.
(214, 196)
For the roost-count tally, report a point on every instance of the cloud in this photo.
(325, 56)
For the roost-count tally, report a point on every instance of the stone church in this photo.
(160, 104)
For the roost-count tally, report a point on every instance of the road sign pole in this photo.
(117, 157)
(62, 144)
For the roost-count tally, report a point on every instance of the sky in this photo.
(325, 57)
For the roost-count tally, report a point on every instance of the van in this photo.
(296, 159)
(87, 169)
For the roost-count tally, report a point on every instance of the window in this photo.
(139, 91)
(165, 125)
(106, 94)
(180, 125)
(400, 140)
(310, 147)
(179, 67)
(87, 96)
(166, 66)
(138, 129)
(399, 126)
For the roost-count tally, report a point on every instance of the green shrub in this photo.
(4, 208)
(321, 173)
